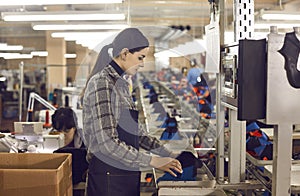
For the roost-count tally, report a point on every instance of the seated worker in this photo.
(65, 120)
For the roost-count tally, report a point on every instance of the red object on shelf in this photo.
(30, 116)
(47, 120)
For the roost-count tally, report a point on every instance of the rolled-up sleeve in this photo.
(152, 144)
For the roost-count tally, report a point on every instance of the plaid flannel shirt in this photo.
(104, 96)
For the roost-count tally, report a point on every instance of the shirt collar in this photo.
(118, 69)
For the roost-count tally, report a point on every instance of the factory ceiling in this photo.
(180, 13)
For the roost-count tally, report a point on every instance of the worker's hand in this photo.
(166, 164)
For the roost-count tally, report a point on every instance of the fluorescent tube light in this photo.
(70, 56)
(87, 39)
(5, 47)
(53, 27)
(39, 53)
(92, 43)
(55, 2)
(72, 36)
(60, 16)
(15, 56)
(86, 42)
(280, 15)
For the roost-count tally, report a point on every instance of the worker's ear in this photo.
(124, 53)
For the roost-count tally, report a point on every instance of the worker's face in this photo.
(69, 135)
(133, 61)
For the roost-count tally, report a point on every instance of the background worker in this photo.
(201, 89)
(65, 120)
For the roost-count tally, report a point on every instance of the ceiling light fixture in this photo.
(15, 56)
(70, 56)
(82, 26)
(92, 40)
(279, 15)
(55, 2)
(94, 43)
(73, 36)
(5, 47)
(39, 53)
(87, 39)
(60, 16)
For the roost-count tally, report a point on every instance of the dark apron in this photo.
(107, 180)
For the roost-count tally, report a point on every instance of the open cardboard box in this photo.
(33, 174)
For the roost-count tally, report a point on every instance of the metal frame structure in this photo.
(244, 27)
(282, 114)
(281, 170)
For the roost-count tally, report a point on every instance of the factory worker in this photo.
(111, 130)
(201, 89)
(65, 120)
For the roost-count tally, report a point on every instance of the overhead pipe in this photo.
(182, 30)
(169, 34)
(175, 32)
(179, 30)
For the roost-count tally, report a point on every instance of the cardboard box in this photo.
(35, 174)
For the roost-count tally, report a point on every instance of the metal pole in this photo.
(282, 154)
(21, 68)
(219, 108)
(234, 148)
(220, 131)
